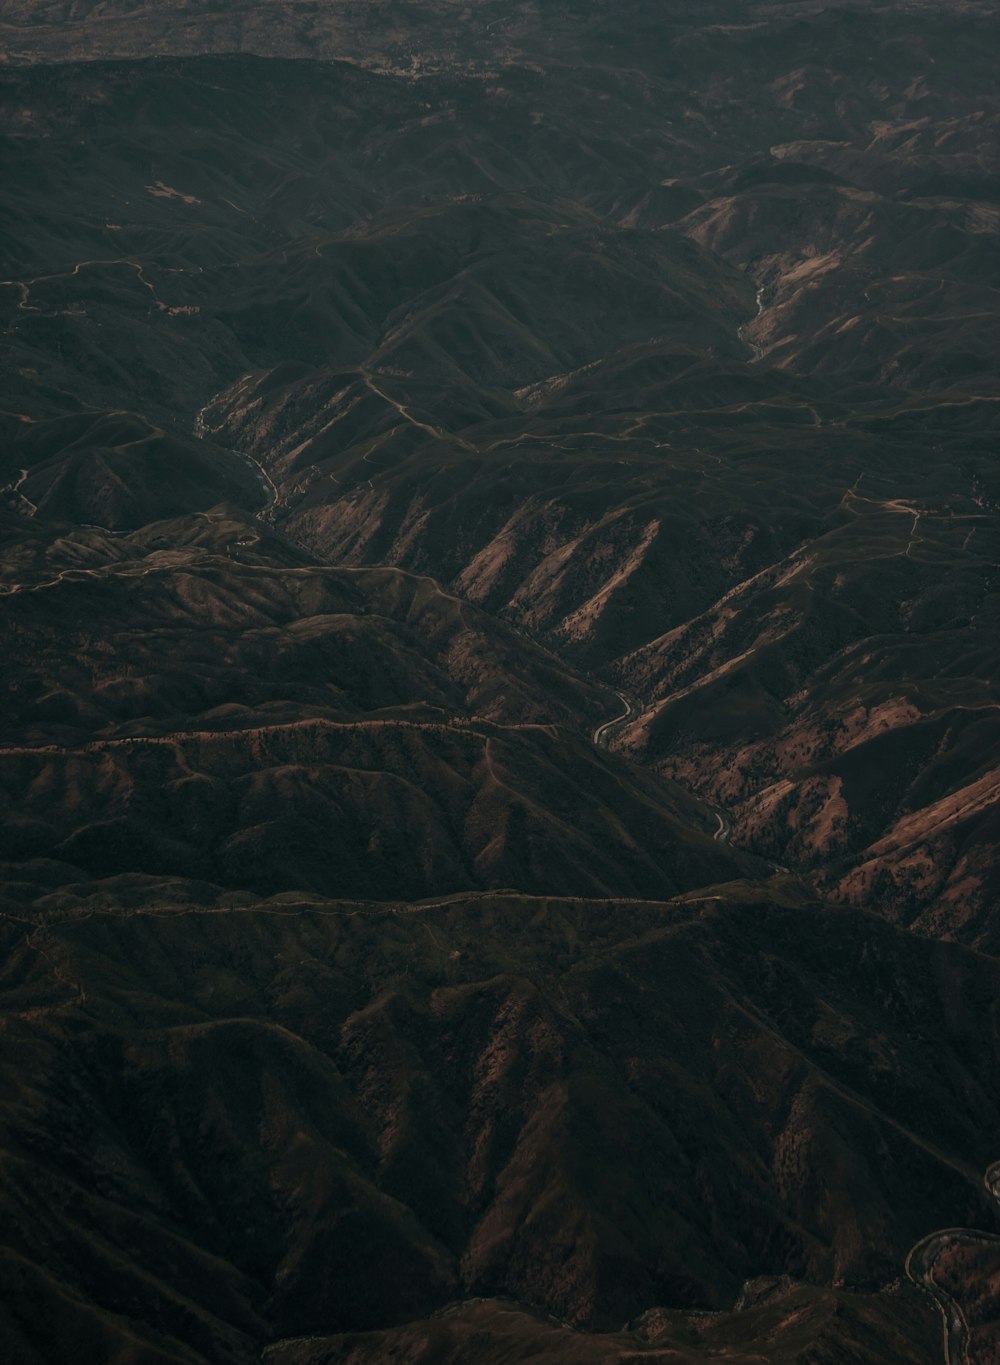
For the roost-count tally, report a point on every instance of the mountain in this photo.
(499, 771)
(297, 1116)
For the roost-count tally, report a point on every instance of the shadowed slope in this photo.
(593, 1108)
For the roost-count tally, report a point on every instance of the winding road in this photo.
(201, 430)
(920, 1265)
(758, 352)
(725, 828)
(604, 734)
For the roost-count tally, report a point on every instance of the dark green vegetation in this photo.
(368, 425)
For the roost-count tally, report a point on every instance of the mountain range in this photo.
(500, 770)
